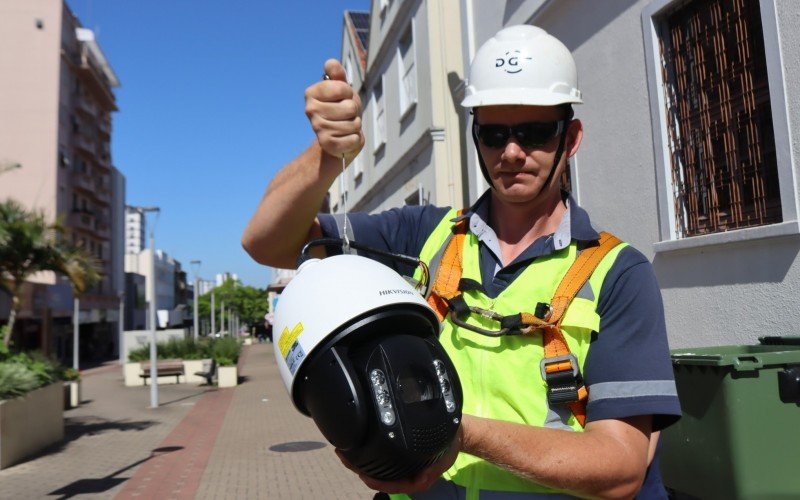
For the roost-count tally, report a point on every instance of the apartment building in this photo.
(412, 122)
(688, 152)
(56, 102)
(135, 225)
(173, 298)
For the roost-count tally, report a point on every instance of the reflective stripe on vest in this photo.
(501, 377)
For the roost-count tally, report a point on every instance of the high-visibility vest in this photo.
(501, 377)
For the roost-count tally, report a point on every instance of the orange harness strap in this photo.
(445, 284)
(557, 356)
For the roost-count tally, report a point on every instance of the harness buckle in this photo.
(573, 361)
(562, 385)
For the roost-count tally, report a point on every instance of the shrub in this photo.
(16, 379)
(25, 371)
(226, 351)
(70, 374)
(174, 349)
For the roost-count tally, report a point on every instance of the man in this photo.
(521, 239)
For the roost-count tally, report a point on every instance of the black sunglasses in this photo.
(528, 135)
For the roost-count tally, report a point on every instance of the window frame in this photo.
(406, 102)
(357, 166)
(651, 26)
(378, 139)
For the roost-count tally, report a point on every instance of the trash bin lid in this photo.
(738, 357)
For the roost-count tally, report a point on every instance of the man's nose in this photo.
(513, 151)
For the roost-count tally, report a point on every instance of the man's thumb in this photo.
(334, 70)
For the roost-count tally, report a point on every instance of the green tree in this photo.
(28, 244)
(249, 303)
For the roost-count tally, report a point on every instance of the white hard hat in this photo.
(522, 65)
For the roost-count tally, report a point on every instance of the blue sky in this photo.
(210, 107)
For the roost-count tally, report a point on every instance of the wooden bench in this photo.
(164, 368)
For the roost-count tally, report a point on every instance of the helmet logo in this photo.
(511, 61)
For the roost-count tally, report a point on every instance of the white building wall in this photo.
(205, 286)
(729, 292)
(141, 263)
(423, 147)
(134, 231)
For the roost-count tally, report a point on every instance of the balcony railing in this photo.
(83, 220)
(82, 181)
(85, 143)
(102, 230)
(86, 106)
(104, 125)
(103, 194)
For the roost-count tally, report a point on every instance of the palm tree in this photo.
(28, 244)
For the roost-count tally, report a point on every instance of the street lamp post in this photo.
(121, 325)
(76, 330)
(196, 267)
(213, 315)
(151, 285)
(222, 318)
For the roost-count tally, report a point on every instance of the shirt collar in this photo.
(575, 223)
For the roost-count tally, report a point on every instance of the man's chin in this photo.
(517, 194)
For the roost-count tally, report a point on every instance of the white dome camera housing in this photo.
(358, 352)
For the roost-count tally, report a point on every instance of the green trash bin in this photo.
(739, 436)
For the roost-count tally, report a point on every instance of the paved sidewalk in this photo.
(247, 442)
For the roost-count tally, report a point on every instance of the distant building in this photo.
(134, 230)
(406, 62)
(280, 278)
(223, 277)
(205, 286)
(135, 302)
(170, 284)
(56, 101)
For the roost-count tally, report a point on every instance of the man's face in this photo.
(519, 172)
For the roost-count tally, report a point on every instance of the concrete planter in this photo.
(191, 366)
(72, 394)
(248, 341)
(130, 372)
(227, 376)
(31, 423)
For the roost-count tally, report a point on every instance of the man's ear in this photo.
(574, 137)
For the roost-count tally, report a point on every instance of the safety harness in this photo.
(559, 367)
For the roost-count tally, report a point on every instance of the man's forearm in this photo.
(286, 216)
(608, 460)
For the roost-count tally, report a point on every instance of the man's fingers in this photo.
(334, 70)
(348, 109)
(330, 91)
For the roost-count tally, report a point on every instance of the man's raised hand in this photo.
(334, 110)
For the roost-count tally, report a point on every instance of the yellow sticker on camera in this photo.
(288, 338)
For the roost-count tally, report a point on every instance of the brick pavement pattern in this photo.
(267, 449)
(106, 439)
(245, 442)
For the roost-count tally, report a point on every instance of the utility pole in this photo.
(213, 314)
(151, 285)
(196, 267)
(121, 341)
(222, 318)
(76, 330)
